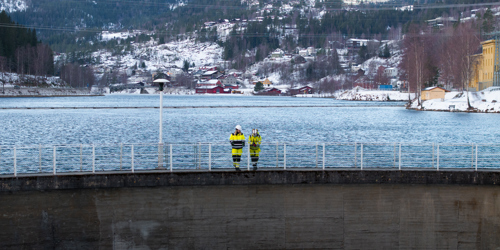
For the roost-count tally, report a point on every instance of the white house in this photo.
(278, 53)
(391, 72)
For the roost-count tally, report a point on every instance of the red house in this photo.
(301, 90)
(205, 68)
(211, 90)
(231, 87)
(269, 91)
(209, 83)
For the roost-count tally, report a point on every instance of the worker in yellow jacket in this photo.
(237, 140)
(254, 140)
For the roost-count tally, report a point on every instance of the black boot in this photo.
(237, 169)
(255, 166)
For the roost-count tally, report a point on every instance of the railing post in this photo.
(209, 157)
(284, 155)
(399, 156)
(355, 154)
(93, 158)
(394, 156)
(437, 158)
(277, 154)
(361, 156)
(132, 156)
(15, 162)
(121, 156)
(472, 156)
(55, 162)
(476, 156)
(199, 155)
(160, 155)
(248, 158)
(316, 154)
(171, 158)
(433, 155)
(324, 150)
(81, 157)
(40, 158)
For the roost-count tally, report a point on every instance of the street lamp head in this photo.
(161, 82)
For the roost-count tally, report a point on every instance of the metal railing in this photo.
(89, 158)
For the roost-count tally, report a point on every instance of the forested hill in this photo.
(62, 23)
(21, 51)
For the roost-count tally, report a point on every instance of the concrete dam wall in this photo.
(329, 212)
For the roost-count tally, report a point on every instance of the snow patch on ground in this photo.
(484, 101)
(361, 94)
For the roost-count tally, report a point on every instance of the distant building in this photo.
(230, 80)
(301, 90)
(356, 44)
(207, 68)
(483, 73)
(269, 91)
(440, 21)
(174, 73)
(267, 83)
(391, 72)
(211, 74)
(385, 87)
(209, 83)
(232, 87)
(212, 90)
(433, 93)
(120, 87)
(278, 53)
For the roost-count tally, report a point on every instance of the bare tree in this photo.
(3, 66)
(381, 77)
(448, 64)
(415, 59)
(185, 80)
(468, 42)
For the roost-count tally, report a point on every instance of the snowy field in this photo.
(484, 101)
(361, 94)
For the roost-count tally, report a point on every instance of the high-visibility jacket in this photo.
(255, 141)
(237, 140)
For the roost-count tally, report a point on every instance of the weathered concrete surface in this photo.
(196, 178)
(251, 216)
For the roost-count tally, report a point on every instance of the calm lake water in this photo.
(306, 121)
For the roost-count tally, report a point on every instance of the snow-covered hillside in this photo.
(157, 57)
(13, 5)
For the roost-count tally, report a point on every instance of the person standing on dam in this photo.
(254, 140)
(237, 140)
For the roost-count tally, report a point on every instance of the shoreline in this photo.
(41, 96)
(455, 110)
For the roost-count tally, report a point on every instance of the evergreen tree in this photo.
(363, 54)
(185, 66)
(386, 53)
(258, 87)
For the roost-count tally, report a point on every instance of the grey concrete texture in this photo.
(292, 216)
(118, 179)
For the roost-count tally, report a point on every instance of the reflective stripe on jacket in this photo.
(237, 141)
(254, 142)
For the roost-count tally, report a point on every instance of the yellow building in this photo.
(267, 83)
(433, 93)
(483, 72)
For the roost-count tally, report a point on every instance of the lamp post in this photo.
(161, 82)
